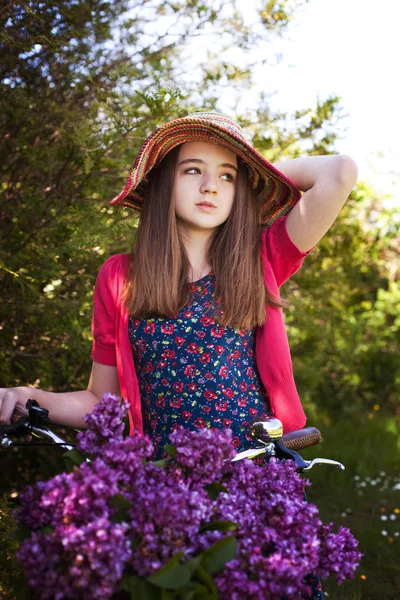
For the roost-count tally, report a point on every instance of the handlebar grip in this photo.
(297, 440)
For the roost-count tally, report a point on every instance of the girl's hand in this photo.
(13, 400)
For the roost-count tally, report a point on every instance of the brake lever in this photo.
(323, 461)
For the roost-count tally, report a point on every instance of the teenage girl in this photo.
(189, 326)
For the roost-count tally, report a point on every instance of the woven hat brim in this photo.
(276, 193)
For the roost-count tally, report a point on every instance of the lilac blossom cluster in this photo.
(121, 513)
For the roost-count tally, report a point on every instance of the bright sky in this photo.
(349, 48)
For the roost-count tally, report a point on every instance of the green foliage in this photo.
(343, 317)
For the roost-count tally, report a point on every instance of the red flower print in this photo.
(192, 387)
(223, 372)
(168, 354)
(136, 322)
(205, 358)
(250, 372)
(219, 350)
(149, 328)
(161, 364)
(228, 392)
(242, 332)
(209, 376)
(160, 401)
(217, 331)
(199, 422)
(243, 386)
(179, 341)
(206, 409)
(222, 405)
(165, 382)
(242, 401)
(175, 402)
(190, 370)
(201, 334)
(141, 344)
(178, 386)
(253, 412)
(253, 387)
(206, 320)
(210, 395)
(168, 328)
(227, 422)
(244, 424)
(236, 355)
(193, 348)
(148, 368)
(147, 387)
(174, 427)
(235, 442)
(188, 314)
(186, 415)
(250, 352)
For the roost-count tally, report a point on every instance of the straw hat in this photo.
(274, 191)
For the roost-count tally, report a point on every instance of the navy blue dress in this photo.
(196, 373)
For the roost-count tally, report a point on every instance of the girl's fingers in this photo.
(10, 401)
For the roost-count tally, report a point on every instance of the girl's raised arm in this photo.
(327, 182)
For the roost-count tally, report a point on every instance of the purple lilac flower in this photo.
(105, 423)
(76, 497)
(279, 534)
(339, 553)
(281, 537)
(127, 456)
(201, 454)
(165, 518)
(84, 562)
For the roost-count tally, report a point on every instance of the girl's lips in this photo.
(205, 205)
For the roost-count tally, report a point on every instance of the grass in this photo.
(362, 498)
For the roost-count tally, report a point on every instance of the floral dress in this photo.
(194, 372)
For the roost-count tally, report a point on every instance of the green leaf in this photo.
(220, 526)
(194, 563)
(171, 450)
(206, 580)
(120, 501)
(123, 505)
(73, 458)
(139, 589)
(172, 575)
(160, 463)
(215, 557)
(214, 489)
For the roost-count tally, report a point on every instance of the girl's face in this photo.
(204, 186)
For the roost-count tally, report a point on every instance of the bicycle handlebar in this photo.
(268, 433)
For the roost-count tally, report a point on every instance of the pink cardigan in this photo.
(281, 258)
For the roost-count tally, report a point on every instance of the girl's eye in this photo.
(192, 170)
(229, 177)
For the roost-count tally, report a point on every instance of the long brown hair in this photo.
(157, 283)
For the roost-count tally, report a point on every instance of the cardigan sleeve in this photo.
(105, 301)
(284, 257)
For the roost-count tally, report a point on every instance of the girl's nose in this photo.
(209, 185)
